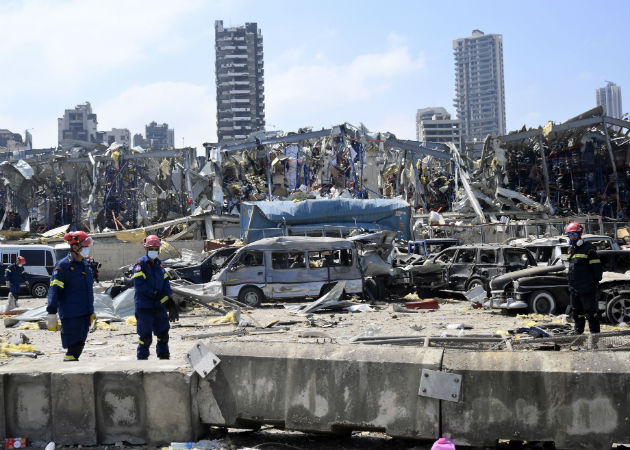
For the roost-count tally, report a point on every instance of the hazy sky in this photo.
(326, 62)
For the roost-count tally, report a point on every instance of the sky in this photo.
(326, 62)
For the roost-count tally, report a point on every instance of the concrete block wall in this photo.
(578, 400)
(321, 388)
(99, 403)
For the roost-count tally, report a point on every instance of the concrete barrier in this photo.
(104, 402)
(575, 399)
(321, 388)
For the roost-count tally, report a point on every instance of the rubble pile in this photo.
(579, 167)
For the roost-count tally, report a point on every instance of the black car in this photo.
(202, 272)
(38, 286)
(545, 289)
(469, 266)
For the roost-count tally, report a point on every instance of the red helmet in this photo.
(152, 241)
(78, 237)
(575, 227)
(21, 260)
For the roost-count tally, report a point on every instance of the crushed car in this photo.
(468, 266)
(547, 249)
(545, 289)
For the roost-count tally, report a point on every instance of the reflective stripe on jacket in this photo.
(151, 283)
(70, 291)
(585, 268)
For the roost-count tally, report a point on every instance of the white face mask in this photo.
(85, 251)
(152, 254)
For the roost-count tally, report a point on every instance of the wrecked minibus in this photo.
(289, 267)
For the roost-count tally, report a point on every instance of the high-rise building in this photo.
(78, 124)
(239, 77)
(159, 137)
(479, 89)
(610, 98)
(436, 125)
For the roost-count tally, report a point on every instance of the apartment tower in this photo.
(240, 81)
(479, 88)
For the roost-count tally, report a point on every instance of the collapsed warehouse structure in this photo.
(579, 167)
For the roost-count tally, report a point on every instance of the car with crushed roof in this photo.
(545, 289)
(547, 249)
(468, 266)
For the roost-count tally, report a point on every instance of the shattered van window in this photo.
(319, 259)
(287, 260)
(251, 259)
(342, 257)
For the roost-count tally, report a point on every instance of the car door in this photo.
(487, 267)
(461, 268)
(249, 268)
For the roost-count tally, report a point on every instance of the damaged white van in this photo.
(289, 267)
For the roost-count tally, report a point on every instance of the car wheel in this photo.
(542, 302)
(251, 296)
(39, 290)
(474, 283)
(618, 309)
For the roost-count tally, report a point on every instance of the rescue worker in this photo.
(153, 300)
(585, 272)
(15, 275)
(72, 296)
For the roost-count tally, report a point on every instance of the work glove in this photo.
(51, 322)
(92, 319)
(172, 309)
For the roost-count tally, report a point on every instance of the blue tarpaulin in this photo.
(266, 219)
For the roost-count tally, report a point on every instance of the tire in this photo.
(251, 296)
(474, 283)
(375, 287)
(39, 290)
(618, 309)
(542, 302)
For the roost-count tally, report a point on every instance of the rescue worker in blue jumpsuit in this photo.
(585, 273)
(153, 300)
(15, 275)
(72, 296)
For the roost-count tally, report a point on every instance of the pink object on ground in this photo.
(443, 444)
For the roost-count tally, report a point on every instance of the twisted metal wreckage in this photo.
(577, 167)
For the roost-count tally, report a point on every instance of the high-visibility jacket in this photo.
(70, 291)
(151, 283)
(585, 268)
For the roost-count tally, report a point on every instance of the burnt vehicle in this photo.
(203, 271)
(388, 272)
(468, 266)
(430, 247)
(547, 249)
(545, 289)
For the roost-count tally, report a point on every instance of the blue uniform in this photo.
(152, 289)
(15, 275)
(72, 296)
